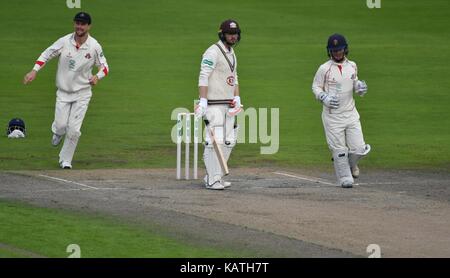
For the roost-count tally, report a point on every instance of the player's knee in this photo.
(208, 144)
(59, 127)
(73, 133)
(361, 149)
(338, 149)
(230, 143)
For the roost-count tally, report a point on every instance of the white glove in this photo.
(15, 134)
(361, 87)
(331, 102)
(236, 107)
(200, 108)
(236, 102)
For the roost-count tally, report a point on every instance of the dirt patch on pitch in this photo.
(270, 212)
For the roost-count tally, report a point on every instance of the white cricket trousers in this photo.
(343, 131)
(70, 110)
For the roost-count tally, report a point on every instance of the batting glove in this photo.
(236, 107)
(331, 102)
(361, 87)
(200, 108)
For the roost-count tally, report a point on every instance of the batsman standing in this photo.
(78, 52)
(334, 85)
(219, 81)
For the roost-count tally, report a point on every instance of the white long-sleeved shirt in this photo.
(337, 79)
(75, 62)
(217, 74)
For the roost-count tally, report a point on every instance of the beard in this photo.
(230, 43)
(80, 33)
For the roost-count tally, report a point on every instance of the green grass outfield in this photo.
(154, 48)
(34, 231)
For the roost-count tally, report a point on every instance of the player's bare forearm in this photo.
(236, 90)
(203, 91)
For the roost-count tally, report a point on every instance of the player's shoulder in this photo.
(212, 49)
(94, 42)
(326, 66)
(66, 38)
(352, 63)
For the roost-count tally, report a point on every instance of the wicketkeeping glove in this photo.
(361, 87)
(331, 102)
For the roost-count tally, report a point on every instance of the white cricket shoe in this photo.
(226, 184)
(215, 186)
(56, 139)
(347, 184)
(66, 165)
(218, 185)
(355, 171)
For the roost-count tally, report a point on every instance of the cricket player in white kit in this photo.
(218, 80)
(78, 52)
(334, 85)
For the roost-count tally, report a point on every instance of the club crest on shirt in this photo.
(230, 80)
(88, 56)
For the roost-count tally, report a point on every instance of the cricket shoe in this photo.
(226, 184)
(218, 185)
(355, 171)
(56, 139)
(66, 165)
(347, 184)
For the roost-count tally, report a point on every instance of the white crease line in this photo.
(67, 181)
(381, 183)
(311, 179)
(58, 190)
(72, 189)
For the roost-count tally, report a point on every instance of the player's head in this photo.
(337, 47)
(82, 23)
(229, 32)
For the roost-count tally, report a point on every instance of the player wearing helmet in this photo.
(334, 85)
(218, 80)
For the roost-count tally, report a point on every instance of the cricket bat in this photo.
(218, 150)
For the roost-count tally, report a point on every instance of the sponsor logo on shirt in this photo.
(208, 62)
(72, 64)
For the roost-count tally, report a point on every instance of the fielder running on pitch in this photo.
(334, 85)
(219, 81)
(78, 53)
